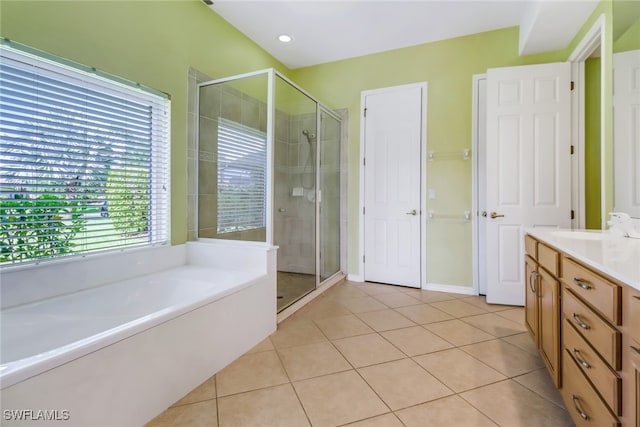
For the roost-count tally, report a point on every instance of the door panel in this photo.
(392, 189)
(528, 167)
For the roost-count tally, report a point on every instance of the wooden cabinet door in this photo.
(549, 329)
(531, 299)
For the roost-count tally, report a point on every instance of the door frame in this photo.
(592, 40)
(475, 179)
(423, 180)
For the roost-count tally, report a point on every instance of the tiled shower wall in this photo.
(294, 160)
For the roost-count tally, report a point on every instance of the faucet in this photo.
(625, 224)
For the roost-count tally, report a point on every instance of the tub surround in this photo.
(130, 349)
(610, 253)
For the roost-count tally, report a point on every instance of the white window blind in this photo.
(242, 170)
(84, 161)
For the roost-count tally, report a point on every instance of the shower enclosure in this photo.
(269, 170)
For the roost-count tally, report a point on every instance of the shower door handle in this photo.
(413, 212)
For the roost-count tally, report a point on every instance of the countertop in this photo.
(612, 254)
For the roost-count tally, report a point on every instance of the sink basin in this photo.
(581, 235)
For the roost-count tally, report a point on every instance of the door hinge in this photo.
(572, 149)
(363, 210)
(573, 214)
(365, 112)
(573, 84)
(364, 161)
(363, 259)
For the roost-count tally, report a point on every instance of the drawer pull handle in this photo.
(576, 355)
(635, 350)
(577, 406)
(583, 284)
(580, 323)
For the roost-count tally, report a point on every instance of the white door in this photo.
(392, 185)
(528, 167)
(481, 183)
(626, 131)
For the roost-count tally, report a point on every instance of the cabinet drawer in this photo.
(607, 382)
(634, 307)
(604, 338)
(582, 401)
(603, 295)
(530, 246)
(549, 259)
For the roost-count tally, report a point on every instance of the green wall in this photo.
(592, 150)
(155, 43)
(152, 43)
(448, 67)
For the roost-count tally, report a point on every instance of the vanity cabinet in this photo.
(542, 307)
(592, 346)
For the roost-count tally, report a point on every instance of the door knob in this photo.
(494, 215)
(413, 212)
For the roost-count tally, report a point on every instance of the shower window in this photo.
(242, 177)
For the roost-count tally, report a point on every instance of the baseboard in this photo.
(454, 289)
(355, 278)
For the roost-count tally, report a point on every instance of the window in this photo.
(84, 160)
(242, 167)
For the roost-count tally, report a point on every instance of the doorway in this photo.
(392, 182)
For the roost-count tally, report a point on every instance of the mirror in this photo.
(626, 97)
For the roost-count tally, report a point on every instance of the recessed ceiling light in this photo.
(285, 38)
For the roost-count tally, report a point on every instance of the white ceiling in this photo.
(331, 30)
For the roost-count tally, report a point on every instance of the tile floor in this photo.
(379, 355)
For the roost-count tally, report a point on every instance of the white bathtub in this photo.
(119, 353)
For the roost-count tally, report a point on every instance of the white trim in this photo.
(355, 278)
(423, 178)
(593, 39)
(452, 289)
(475, 242)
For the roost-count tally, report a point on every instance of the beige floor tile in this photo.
(296, 331)
(362, 304)
(435, 296)
(338, 399)
(415, 340)
(480, 301)
(524, 342)
(397, 299)
(364, 350)
(540, 382)
(386, 420)
(201, 414)
(205, 391)
(458, 333)
(449, 411)
(495, 325)
(504, 357)
(377, 288)
(322, 308)
(343, 326)
(251, 372)
(423, 314)
(264, 345)
(385, 320)
(274, 406)
(458, 308)
(345, 291)
(508, 403)
(312, 360)
(403, 383)
(458, 370)
(513, 314)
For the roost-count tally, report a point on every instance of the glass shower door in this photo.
(329, 184)
(294, 217)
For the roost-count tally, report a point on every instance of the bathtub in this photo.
(119, 352)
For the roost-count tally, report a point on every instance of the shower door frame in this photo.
(272, 74)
